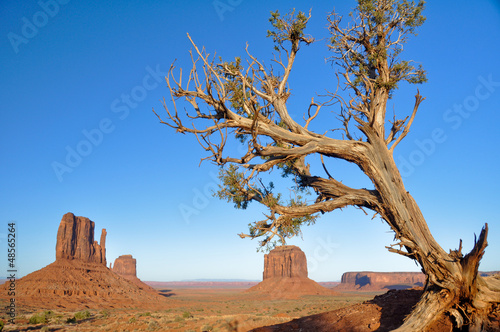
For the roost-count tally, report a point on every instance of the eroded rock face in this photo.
(381, 280)
(79, 277)
(75, 240)
(285, 275)
(126, 266)
(285, 262)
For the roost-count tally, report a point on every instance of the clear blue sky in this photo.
(85, 78)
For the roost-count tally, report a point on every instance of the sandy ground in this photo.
(186, 309)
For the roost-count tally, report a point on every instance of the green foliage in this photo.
(187, 314)
(382, 28)
(233, 85)
(80, 315)
(233, 188)
(287, 28)
(2, 324)
(41, 318)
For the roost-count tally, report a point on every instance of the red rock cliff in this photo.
(75, 240)
(381, 280)
(126, 266)
(285, 262)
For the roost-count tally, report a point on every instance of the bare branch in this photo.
(418, 100)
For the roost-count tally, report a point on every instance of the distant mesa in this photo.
(285, 275)
(79, 277)
(374, 281)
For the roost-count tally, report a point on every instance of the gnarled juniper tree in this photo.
(248, 101)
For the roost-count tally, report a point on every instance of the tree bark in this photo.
(453, 285)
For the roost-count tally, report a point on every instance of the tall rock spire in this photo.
(75, 240)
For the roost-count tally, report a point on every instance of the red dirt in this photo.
(384, 313)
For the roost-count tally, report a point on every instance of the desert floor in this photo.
(187, 309)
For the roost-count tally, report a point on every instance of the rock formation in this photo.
(285, 275)
(126, 266)
(381, 280)
(285, 262)
(75, 240)
(79, 278)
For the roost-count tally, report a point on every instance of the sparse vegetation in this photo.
(207, 328)
(153, 325)
(42, 318)
(223, 311)
(81, 315)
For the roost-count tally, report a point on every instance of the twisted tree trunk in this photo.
(453, 285)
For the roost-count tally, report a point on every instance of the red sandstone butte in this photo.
(75, 240)
(285, 262)
(79, 277)
(285, 275)
(126, 267)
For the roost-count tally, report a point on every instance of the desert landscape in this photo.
(78, 292)
(255, 166)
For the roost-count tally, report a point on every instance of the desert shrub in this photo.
(104, 313)
(82, 315)
(2, 323)
(207, 328)
(187, 314)
(41, 318)
(132, 320)
(71, 320)
(165, 320)
(178, 319)
(153, 325)
(45, 329)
